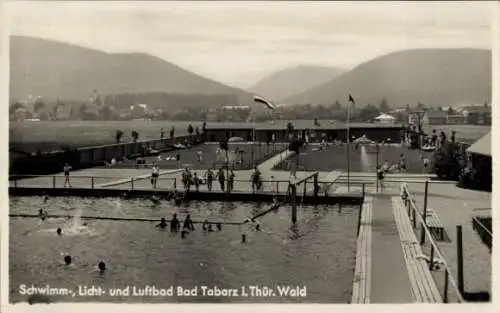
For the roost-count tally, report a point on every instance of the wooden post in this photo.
(363, 190)
(445, 292)
(175, 183)
(305, 189)
(53, 182)
(424, 217)
(414, 218)
(316, 187)
(359, 217)
(294, 203)
(132, 183)
(277, 187)
(460, 260)
(431, 261)
(376, 169)
(92, 182)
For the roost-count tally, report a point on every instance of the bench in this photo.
(435, 225)
(423, 286)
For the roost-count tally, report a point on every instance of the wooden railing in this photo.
(174, 183)
(414, 213)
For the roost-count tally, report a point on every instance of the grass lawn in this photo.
(251, 154)
(335, 158)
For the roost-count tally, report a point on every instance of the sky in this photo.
(238, 43)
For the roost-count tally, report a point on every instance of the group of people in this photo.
(189, 179)
(187, 226)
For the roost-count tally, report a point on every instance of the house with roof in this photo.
(435, 118)
(385, 119)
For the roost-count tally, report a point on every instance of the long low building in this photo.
(328, 129)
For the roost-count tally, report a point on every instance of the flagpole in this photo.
(348, 148)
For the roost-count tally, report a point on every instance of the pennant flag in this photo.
(265, 102)
(351, 99)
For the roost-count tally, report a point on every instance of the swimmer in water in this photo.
(155, 199)
(205, 225)
(42, 214)
(174, 224)
(210, 227)
(243, 238)
(163, 223)
(188, 223)
(257, 227)
(102, 267)
(219, 226)
(45, 199)
(67, 259)
(184, 233)
(59, 231)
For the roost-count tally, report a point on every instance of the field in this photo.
(250, 155)
(362, 159)
(464, 133)
(47, 136)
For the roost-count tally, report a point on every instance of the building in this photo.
(458, 119)
(385, 119)
(435, 118)
(480, 160)
(329, 129)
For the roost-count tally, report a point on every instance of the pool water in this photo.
(318, 252)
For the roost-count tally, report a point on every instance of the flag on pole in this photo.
(265, 102)
(351, 99)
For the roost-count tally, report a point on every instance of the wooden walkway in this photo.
(361, 287)
(423, 287)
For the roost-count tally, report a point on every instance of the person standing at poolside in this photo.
(154, 175)
(209, 176)
(230, 181)
(196, 181)
(256, 184)
(199, 156)
(380, 178)
(402, 164)
(425, 160)
(222, 178)
(178, 158)
(67, 169)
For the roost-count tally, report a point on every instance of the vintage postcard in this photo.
(248, 153)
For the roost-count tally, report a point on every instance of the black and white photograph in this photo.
(249, 152)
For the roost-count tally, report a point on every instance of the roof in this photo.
(482, 146)
(297, 124)
(384, 116)
(436, 114)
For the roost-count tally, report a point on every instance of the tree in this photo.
(97, 101)
(337, 105)
(135, 136)
(39, 105)
(106, 113)
(172, 132)
(204, 126)
(316, 123)
(109, 101)
(383, 107)
(447, 161)
(197, 131)
(118, 135)
(368, 113)
(190, 129)
(450, 111)
(289, 128)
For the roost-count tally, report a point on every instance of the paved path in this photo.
(390, 282)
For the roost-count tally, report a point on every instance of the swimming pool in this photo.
(317, 253)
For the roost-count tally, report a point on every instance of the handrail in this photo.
(413, 206)
(482, 226)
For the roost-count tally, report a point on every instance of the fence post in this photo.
(460, 260)
(132, 183)
(305, 189)
(53, 182)
(92, 182)
(414, 218)
(277, 187)
(424, 217)
(316, 189)
(175, 183)
(363, 189)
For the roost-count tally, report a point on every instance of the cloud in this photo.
(231, 41)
